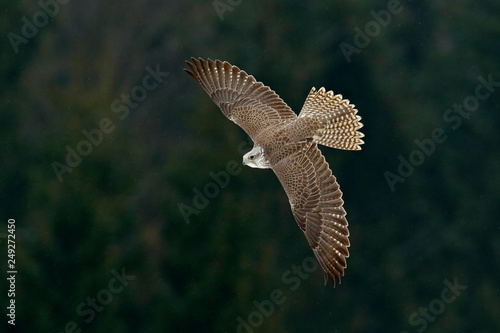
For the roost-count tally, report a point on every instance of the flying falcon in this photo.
(288, 144)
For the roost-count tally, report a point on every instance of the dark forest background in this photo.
(425, 239)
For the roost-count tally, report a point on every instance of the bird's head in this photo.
(255, 158)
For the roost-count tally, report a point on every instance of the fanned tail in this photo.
(338, 122)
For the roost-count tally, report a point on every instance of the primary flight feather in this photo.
(288, 144)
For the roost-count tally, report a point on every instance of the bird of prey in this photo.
(288, 144)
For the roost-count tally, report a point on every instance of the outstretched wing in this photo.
(241, 98)
(316, 201)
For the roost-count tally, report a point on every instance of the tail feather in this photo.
(338, 121)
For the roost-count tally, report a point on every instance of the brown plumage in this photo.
(289, 146)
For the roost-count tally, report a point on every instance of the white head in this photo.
(255, 158)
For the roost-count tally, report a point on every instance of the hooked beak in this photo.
(244, 162)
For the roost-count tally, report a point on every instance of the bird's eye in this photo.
(252, 157)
